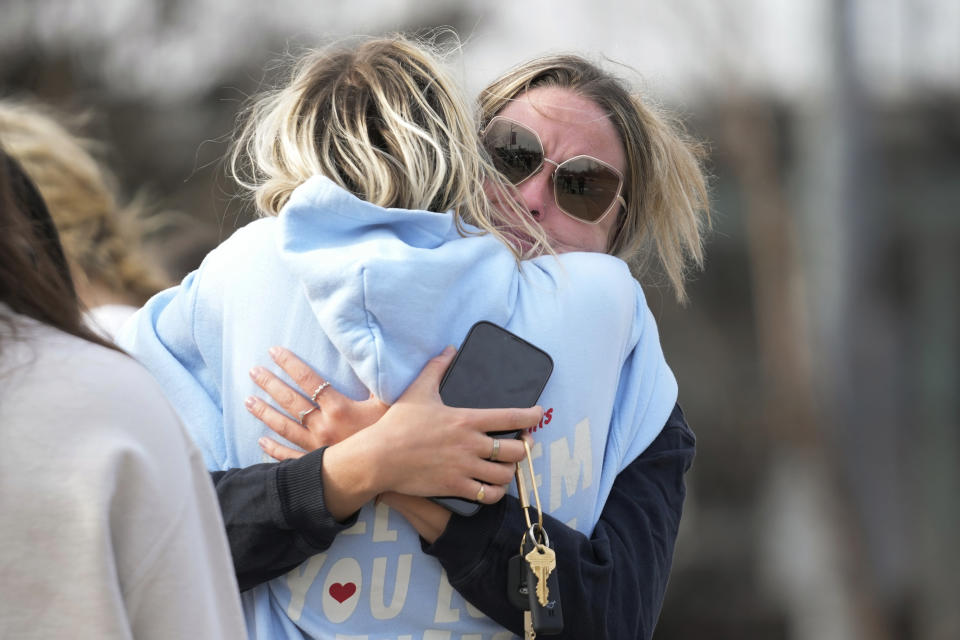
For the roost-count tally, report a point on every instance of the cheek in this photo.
(575, 236)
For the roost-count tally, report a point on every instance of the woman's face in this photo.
(568, 125)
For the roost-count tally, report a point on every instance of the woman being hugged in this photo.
(543, 120)
(380, 246)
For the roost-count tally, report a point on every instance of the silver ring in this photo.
(316, 393)
(304, 414)
(532, 532)
(496, 450)
(481, 493)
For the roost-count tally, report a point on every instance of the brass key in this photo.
(542, 561)
(528, 632)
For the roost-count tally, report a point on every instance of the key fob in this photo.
(517, 589)
(547, 620)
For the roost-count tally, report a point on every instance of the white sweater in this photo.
(109, 526)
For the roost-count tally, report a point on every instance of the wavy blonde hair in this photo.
(665, 185)
(101, 239)
(383, 120)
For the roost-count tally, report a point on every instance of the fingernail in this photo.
(449, 349)
(274, 351)
(256, 371)
(249, 402)
(262, 442)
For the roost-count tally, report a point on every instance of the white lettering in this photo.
(381, 525)
(341, 589)
(568, 468)
(433, 634)
(358, 529)
(445, 612)
(299, 581)
(473, 611)
(401, 583)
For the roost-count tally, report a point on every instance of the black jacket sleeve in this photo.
(612, 584)
(275, 516)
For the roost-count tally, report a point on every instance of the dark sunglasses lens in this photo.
(585, 188)
(514, 149)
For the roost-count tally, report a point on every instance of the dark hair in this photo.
(34, 277)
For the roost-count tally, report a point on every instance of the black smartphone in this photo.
(493, 369)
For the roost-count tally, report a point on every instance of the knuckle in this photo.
(335, 411)
(515, 452)
(286, 398)
(304, 378)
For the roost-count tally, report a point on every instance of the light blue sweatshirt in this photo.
(367, 295)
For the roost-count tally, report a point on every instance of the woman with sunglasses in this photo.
(424, 284)
(617, 575)
(547, 124)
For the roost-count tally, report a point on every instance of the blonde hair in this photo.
(102, 241)
(383, 120)
(665, 185)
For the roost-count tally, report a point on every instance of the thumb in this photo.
(430, 376)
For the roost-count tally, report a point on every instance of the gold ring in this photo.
(496, 450)
(316, 393)
(481, 493)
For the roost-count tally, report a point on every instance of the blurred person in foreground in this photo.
(102, 240)
(369, 292)
(110, 527)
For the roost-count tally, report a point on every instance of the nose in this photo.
(537, 190)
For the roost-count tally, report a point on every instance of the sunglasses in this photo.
(585, 188)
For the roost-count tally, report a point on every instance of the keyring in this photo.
(522, 490)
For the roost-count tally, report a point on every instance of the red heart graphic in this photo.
(341, 592)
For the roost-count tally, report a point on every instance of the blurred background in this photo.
(818, 356)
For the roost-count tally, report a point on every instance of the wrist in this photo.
(427, 517)
(350, 479)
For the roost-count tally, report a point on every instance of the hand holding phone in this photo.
(494, 368)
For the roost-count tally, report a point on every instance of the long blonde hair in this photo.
(101, 238)
(383, 120)
(665, 185)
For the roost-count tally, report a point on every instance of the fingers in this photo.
(502, 419)
(278, 451)
(430, 376)
(279, 423)
(282, 393)
(333, 402)
(298, 370)
(510, 450)
(492, 493)
(494, 472)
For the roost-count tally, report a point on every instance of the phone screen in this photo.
(494, 368)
